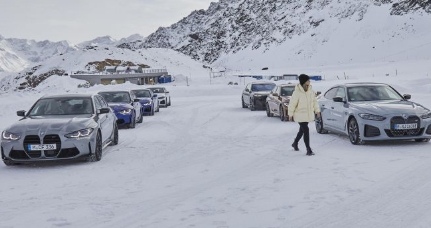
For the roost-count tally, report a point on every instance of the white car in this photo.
(162, 95)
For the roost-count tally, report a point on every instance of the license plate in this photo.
(406, 126)
(42, 147)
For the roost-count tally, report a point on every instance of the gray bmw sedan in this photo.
(371, 112)
(60, 128)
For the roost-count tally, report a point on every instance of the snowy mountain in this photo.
(103, 40)
(17, 54)
(230, 27)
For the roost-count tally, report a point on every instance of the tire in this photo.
(133, 123)
(115, 136)
(97, 155)
(319, 126)
(169, 104)
(158, 108)
(268, 111)
(152, 111)
(243, 104)
(354, 134)
(141, 119)
(422, 140)
(252, 108)
(281, 113)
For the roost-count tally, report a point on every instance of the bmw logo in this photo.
(405, 116)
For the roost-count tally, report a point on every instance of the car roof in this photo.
(362, 84)
(287, 85)
(114, 91)
(69, 95)
(257, 83)
(140, 90)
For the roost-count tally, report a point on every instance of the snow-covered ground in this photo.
(206, 162)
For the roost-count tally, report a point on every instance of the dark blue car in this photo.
(126, 107)
(148, 101)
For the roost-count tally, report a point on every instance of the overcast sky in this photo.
(82, 20)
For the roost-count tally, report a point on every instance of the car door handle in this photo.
(323, 105)
(332, 108)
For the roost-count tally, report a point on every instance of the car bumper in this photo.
(123, 119)
(163, 102)
(384, 130)
(67, 149)
(147, 109)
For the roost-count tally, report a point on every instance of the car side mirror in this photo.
(275, 94)
(136, 100)
(338, 99)
(104, 111)
(20, 113)
(318, 93)
(407, 97)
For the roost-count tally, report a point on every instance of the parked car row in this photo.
(76, 126)
(362, 111)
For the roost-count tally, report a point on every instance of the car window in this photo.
(97, 103)
(341, 92)
(116, 97)
(102, 102)
(142, 93)
(331, 93)
(287, 90)
(62, 106)
(262, 87)
(373, 93)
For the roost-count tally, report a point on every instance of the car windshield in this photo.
(62, 106)
(142, 93)
(116, 97)
(158, 90)
(287, 91)
(372, 93)
(262, 87)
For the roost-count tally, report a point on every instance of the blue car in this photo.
(126, 107)
(148, 101)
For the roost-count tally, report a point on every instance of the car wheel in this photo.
(252, 108)
(243, 103)
(97, 155)
(422, 140)
(319, 126)
(158, 108)
(169, 104)
(281, 113)
(133, 123)
(141, 118)
(115, 136)
(152, 111)
(354, 135)
(268, 111)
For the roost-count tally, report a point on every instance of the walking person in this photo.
(302, 108)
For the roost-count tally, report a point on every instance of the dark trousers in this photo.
(303, 131)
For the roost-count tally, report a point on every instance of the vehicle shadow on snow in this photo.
(384, 143)
(51, 164)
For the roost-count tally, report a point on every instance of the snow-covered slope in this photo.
(311, 32)
(17, 54)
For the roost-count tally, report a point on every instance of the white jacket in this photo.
(303, 105)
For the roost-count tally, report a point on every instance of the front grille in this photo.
(18, 154)
(163, 102)
(147, 109)
(52, 139)
(120, 121)
(429, 130)
(68, 153)
(371, 131)
(260, 102)
(401, 133)
(32, 140)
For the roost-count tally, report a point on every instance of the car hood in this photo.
(390, 107)
(120, 106)
(52, 125)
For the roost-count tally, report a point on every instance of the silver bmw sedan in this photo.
(372, 112)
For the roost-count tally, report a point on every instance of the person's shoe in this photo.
(310, 152)
(295, 146)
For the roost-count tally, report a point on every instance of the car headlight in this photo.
(367, 116)
(147, 103)
(426, 115)
(126, 111)
(10, 136)
(79, 134)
